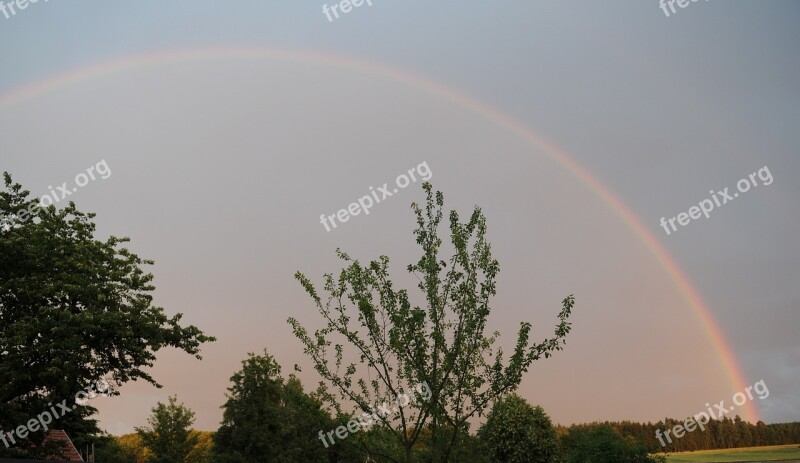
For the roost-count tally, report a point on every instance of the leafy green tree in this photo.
(470, 450)
(395, 345)
(133, 448)
(376, 444)
(203, 448)
(267, 419)
(516, 432)
(603, 444)
(73, 309)
(467, 449)
(169, 435)
(109, 450)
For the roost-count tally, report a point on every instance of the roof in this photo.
(70, 452)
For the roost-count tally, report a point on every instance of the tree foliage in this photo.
(603, 444)
(718, 434)
(516, 432)
(394, 344)
(203, 447)
(267, 419)
(109, 449)
(169, 435)
(133, 445)
(73, 309)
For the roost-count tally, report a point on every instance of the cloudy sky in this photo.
(228, 128)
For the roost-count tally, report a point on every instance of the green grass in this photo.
(774, 452)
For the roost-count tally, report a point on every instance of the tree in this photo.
(169, 435)
(267, 419)
(203, 448)
(603, 444)
(73, 309)
(107, 449)
(516, 432)
(467, 449)
(395, 345)
(133, 448)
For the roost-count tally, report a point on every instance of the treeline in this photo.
(718, 434)
(257, 429)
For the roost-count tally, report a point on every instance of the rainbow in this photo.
(690, 294)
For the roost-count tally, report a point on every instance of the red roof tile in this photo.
(70, 452)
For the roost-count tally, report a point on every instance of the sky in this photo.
(220, 132)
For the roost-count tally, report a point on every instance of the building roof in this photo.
(70, 452)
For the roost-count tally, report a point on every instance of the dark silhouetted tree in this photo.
(394, 345)
(169, 433)
(73, 309)
(267, 419)
(516, 432)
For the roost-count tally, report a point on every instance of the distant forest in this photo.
(718, 434)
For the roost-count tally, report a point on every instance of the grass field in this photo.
(774, 452)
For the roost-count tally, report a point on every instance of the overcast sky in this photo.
(221, 163)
